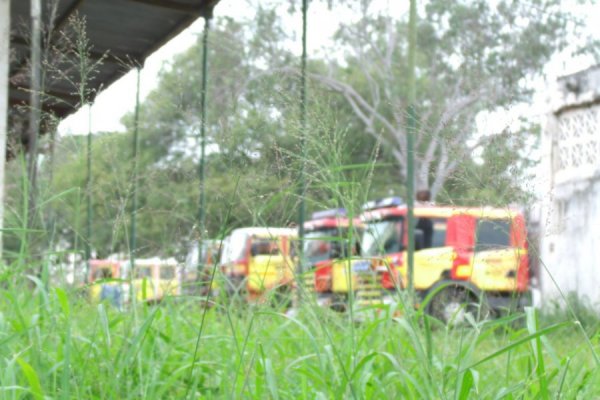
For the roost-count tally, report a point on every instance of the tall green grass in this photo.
(54, 344)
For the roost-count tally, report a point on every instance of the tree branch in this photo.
(350, 93)
(442, 170)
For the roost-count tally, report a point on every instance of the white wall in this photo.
(570, 250)
(570, 197)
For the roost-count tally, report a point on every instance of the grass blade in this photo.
(536, 343)
(32, 378)
(519, 342)
(466, 384)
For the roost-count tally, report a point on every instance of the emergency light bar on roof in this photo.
(383, 203)
(333, 213)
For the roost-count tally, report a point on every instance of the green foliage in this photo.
(87, 351)
(471, 57)
(580, 309)
(254, 152)
(253, 149)
(253, 144)
(167, 197)
(500, 175)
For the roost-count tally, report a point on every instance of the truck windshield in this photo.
(143, 272)
(167, 273)
(382, 237)
(439, 232)
(103, 273)
(492, 234)
(264, 246)
(318, 244)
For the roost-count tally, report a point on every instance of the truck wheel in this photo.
(339, 303)
(282, 297)
(454, 303)
(234, 291)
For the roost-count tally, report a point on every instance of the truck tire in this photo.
(281, 298)
(454, 302)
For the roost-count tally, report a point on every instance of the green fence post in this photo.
(35, 104)
(88, 193)
(303, 128)
(201, 166)
(134, 196)
(411, 125)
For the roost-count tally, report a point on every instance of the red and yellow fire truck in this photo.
(331, 239)
(257, 260)
(105, 281)
(463, 255)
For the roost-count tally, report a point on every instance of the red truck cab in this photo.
(330, 238)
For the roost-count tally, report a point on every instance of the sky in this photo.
(119, 98)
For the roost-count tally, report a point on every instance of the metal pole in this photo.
(411, 125)
(88, 192)
(201, 169)
(134, 197)
(303, 127)
(4, 61)
(35, 102)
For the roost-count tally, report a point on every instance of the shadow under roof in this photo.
(121, 33)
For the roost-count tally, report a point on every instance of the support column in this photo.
(4, 67)
(410, 151)
(88, 194)
(201, 167)
(303, 128)
(34, 104)
(134, 197)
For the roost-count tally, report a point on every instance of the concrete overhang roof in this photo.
(121, 33)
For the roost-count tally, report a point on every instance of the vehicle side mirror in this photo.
(419, 239)
(357, 249)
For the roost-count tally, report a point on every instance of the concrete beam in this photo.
(171, 5)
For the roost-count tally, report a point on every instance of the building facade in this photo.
(569, 247)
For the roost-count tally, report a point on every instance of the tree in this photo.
(472, 57)
(244, 163)
(500, 174)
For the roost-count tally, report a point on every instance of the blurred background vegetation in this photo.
(472, 58)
